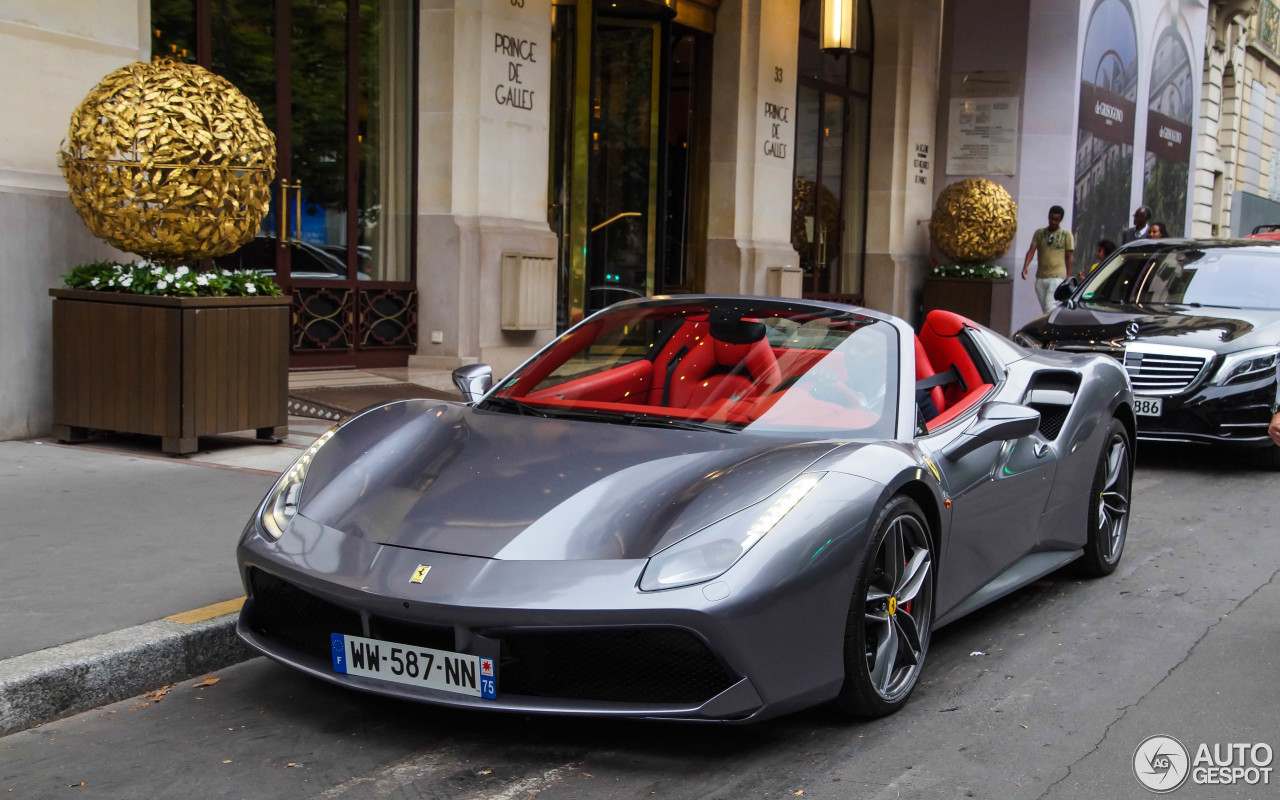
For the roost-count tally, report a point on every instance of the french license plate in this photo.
(417, 666)
(1148, 406)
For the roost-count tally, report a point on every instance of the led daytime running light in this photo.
(780, 508)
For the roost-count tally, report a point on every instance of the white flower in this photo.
(111, 282)
(126, 281)
(183, 270)
(202, 280)
(250, 289)
(161, 285)
(226, 272)
(157, 270)
(93, 282)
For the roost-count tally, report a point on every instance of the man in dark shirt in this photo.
(1139, 229)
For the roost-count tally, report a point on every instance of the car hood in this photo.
(447, 478)
(1106, 326)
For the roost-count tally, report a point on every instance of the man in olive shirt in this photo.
(1053, 247)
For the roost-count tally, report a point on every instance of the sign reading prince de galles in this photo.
(515, 71)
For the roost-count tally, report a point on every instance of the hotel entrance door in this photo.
(629, 141)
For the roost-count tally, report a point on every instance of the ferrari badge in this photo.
(420, 573)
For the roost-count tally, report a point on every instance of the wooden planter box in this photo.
(987, 301)
(174, 367)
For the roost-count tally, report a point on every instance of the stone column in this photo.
(752, 138)
(484, 122)
(54, 54)
(904, 96)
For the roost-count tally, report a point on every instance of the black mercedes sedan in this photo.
(1196, 324)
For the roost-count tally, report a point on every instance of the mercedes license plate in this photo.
(417, 666)
(1148, 406)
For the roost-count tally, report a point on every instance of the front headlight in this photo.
(1247, 365)
(282, 501)
(711, 551)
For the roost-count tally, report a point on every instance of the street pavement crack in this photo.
(1124, 710)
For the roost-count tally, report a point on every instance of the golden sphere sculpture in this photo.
(169, 161)
(974, 221)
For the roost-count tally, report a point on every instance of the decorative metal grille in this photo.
(322, 319)
(388, 318)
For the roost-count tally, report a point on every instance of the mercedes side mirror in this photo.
(1066, 289)
(996, 422)
(473, 380)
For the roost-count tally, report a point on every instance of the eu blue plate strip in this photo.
(339, 643)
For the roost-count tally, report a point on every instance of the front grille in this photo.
(1163, 372)
(629, 666)
(286, 614)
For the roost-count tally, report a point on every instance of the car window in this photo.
(1226, 277)
(731, 365)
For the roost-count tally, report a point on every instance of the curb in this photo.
(60, 681)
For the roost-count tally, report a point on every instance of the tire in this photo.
(1108, 518)
(887, 628)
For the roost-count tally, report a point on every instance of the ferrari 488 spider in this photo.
(699, 508)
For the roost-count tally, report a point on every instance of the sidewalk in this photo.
(117, 569)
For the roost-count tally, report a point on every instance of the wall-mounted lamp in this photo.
(839, 24)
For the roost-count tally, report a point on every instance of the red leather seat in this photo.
(713, 370)
(924, 369)
(941, 339)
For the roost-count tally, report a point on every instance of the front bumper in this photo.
(1235, 415)
(569, 637)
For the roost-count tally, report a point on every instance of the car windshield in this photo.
(728, 366)
(1231, 278)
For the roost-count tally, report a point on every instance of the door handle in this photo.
(615, 218)
(282, 218)
(297, 212)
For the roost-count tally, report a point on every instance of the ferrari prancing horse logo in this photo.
(420, 573)
(893, 605)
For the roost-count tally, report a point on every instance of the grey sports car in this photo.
(697, 508)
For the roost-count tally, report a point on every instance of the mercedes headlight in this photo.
(711, 551)
(282, 502)
(1247, 365)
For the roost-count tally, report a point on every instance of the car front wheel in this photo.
(887, 630)
(1109, 504)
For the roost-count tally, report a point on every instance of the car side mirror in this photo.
(1066, 289)
(996, 422)
(473, 380)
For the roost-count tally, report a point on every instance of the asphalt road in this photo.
(1045, 694)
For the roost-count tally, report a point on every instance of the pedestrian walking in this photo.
(1053, 248)
(1139, 229)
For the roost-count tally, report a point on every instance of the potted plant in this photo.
(973, 222)
(981, 292)
(171, 162)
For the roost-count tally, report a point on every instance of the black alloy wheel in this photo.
(1109, 504)
(887, 631)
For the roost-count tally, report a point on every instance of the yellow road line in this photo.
(208, 612)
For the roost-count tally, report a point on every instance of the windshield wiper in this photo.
(510, 405)
(622, 418)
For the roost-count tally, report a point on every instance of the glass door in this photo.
(338, 91)
(623, 162)
(828, 223)
(629, 150)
